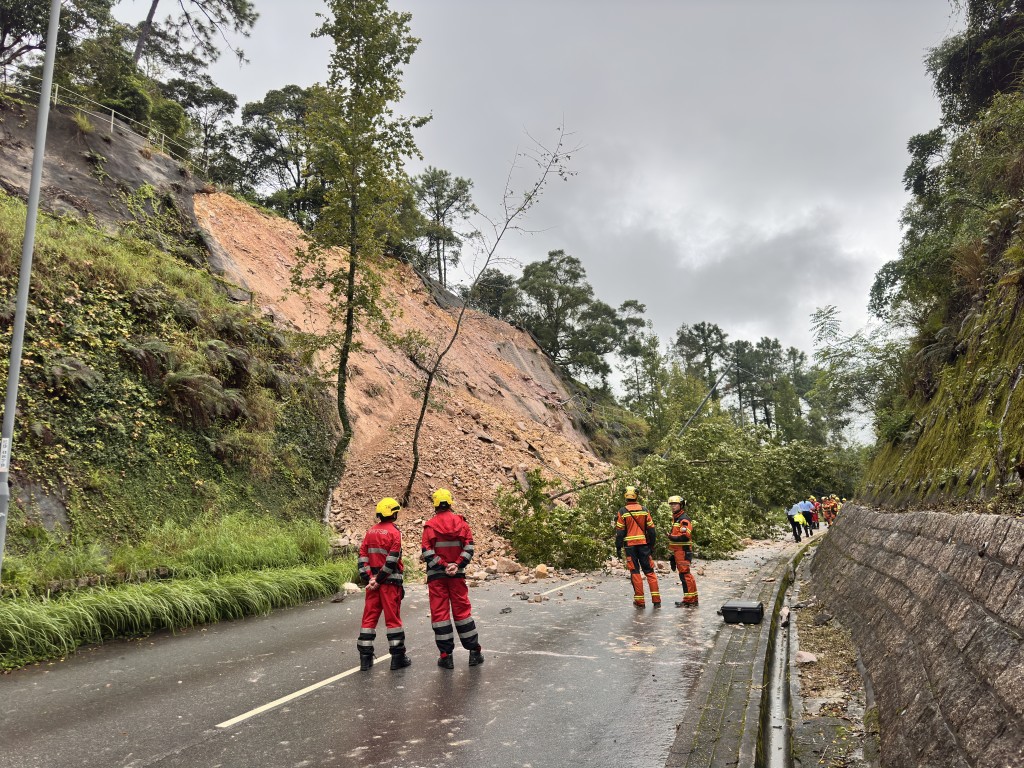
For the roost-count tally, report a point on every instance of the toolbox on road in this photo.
(742, 612)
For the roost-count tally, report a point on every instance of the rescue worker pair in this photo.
(382, 570)
(680, 544)
(634, 530)
(447, 549)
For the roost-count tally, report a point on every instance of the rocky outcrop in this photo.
(935, 604)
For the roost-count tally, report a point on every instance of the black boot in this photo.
(446, 661)
(476, 657)
(400, 661)
(365, 662)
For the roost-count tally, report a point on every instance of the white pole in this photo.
(25, 276)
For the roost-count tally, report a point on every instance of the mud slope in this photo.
(498, 407)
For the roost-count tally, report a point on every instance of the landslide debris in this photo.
(497, 413)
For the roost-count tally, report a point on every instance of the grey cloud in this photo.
(743, 158)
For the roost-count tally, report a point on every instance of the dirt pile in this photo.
(497, 408)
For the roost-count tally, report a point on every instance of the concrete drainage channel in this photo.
(774, 738)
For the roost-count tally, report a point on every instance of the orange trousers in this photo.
(638, 559)
(689, 583)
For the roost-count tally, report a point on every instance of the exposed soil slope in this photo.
(498, 408)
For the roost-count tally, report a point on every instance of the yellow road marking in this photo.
(286, 699)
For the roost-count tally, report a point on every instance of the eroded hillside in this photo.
(498, 408)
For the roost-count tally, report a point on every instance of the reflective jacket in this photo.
(634, 526)
(380, 554)
(446, 539)
(680, 539)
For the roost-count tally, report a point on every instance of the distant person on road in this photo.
(447, 550)
(634, 529)
(381, 569)
(791, 515)
(680, 544)
(806, 506)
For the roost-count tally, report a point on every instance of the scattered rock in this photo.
(541, 571)
(803, 657)
(507, 565)
(822, 618)
(339, 597)
(349, 588)
(506, 609)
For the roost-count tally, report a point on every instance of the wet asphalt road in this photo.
(581, 677)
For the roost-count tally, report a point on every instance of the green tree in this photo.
(23, 25)
(209, 107)
(644, 377)
(740, 378)
(768, 370)
(703, 348)
(557, 293)
(495, 293)
(446, 203)
(359, 147)
(199, 25)
(574, 328)
(275, 142)
(986, 59)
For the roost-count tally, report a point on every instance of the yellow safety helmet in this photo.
(630, 493)
(675, 500)
(388, 507)
(811, 498)
(442, 496)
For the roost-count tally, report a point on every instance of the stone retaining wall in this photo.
(935, 605)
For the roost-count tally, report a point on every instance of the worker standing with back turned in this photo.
(380, 568)
(447, 550)
(634, 529)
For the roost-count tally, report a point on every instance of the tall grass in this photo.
(35, 630)
(206, 547)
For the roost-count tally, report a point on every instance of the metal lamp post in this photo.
(25, 275)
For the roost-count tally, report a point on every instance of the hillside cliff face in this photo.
(966, 442)
(497, 412)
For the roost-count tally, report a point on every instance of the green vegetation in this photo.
(35, 630)
(737, 482)
(948, 408)
(206, 547)
(163, 432)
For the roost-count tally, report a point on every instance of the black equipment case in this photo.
(742, 612)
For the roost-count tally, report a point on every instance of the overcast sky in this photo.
(742, 158)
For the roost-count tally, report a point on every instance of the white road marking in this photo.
(309, 689)
(286, 699)
(563, 586)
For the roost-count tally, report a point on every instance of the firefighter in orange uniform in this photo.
(447, 550)
(381, 569)
(680, 544)
(634, 528)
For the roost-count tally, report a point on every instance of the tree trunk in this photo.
(341, 448)
(144, 31)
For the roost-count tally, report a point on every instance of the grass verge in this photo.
(36, 630)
